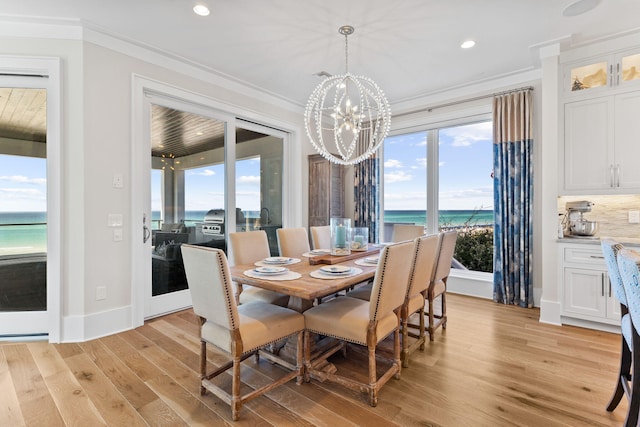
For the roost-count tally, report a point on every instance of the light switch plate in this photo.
(634, 217)
(114, 220)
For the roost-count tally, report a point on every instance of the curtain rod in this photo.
(463, 101)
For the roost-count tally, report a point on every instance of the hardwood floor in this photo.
(493, 366)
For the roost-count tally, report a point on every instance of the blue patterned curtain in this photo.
(366, 187)
(512, 190)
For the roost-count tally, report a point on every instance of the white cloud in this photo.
(422, 162)
(400, 176)
(464, 136)
(20, 192)
(467, 198)
(249, 180)
(422, 142)
(206, 172)
(393, 163)
(20, 179)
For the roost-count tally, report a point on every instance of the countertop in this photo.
(630, 241)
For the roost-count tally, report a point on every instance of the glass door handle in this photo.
(146, 233)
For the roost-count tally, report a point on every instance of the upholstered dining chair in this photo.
(238, 331)
(293, 241)
(364, 323)
(438, 286)
(610, 250)
(321, 236)
(247, 248)
(629, 266)
(402, 232)
(422, 269)
(424, 263)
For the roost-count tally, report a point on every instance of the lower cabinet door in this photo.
(585, 293)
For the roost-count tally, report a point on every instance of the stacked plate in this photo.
(320, 252)
(277, 260)
(336, 270)
(270, 271)
(372, 259)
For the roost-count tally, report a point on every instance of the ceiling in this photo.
(409, 47)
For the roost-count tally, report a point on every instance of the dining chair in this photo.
(238, 331)
(293, 241)
(629, 266)
(249, 247)
(402, 232)
(438, 286)
(423, 266)
(610, 250)
(321, 236)
(364, 323)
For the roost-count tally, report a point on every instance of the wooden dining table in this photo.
(306, 289)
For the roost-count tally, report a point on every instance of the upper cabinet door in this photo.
(588, 148)
(591, 76)
(627, 141)
(627, 68)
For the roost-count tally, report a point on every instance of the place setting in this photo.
(277, 261)
(370, 261)
(335, 271)
(272, 273)
(317, 252)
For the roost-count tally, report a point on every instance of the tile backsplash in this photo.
(611, 213)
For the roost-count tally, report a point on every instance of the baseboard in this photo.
(550, 312)
(96, 325)
(471, 283)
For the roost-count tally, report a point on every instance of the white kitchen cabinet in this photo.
(602, 145)
(586, 290)
(601, 75)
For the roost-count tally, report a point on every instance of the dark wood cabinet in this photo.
(326, 190)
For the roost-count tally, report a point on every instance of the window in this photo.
(456, 182)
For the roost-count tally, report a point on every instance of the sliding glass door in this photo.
(23, 206)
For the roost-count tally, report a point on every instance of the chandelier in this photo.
(347, 117)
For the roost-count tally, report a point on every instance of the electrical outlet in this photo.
(634, 217)
(101, 293)
(117, 234)
(118, 180)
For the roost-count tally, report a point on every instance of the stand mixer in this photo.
(577, 225)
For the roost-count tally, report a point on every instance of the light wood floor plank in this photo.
(112, 405)
(71, 400)
(36, 404)
(10, 414)
(493, 366)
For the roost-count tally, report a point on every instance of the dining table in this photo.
(306, 284)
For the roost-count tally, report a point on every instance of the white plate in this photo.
(320, 251)
(277, 260)
(372, 259)
(270, 270)
(335, 269)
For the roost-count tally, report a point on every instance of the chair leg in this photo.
(203, 365)
(623, 375)
(396, 352)
(236, 403)
(422, 331)
(431, 320)
(373, 392)
(307, 357)
(634, 404)
(299, 358)
(443, 301)
(405, 340)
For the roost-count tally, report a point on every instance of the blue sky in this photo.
(465, 164)
(465, 182)
(23, 184)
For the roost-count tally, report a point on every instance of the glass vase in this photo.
(360, 239)
(340, 236)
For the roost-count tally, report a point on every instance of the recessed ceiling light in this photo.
(579, 7)
(201, 10)
(468, 44)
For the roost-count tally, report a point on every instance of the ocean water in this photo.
(26, 232)
(23, 232)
